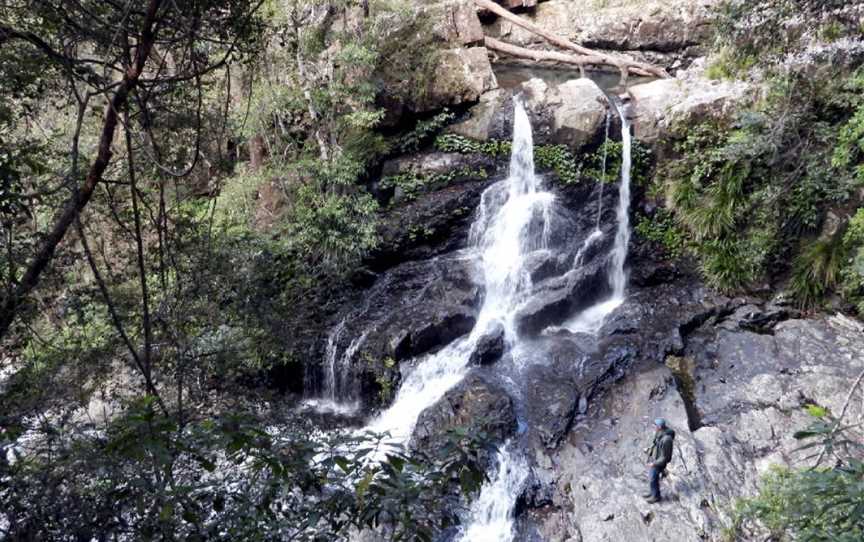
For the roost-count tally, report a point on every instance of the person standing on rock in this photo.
(660, 455)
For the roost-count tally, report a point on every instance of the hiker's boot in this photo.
(652, 499)
(647, 495)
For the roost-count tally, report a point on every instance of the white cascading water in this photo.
(337, 394)
(512, 221)
(622, 235)
(491, 517)
(591, 319)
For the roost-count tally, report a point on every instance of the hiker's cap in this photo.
(660, 422)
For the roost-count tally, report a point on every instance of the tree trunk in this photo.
(623, 63)
(256, 152)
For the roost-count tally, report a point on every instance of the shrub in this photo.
(817, 504)
(817, 269)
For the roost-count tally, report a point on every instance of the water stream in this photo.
(491, 516)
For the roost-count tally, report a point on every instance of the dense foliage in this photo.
(173, 218)
(143, 475)
(775, 183)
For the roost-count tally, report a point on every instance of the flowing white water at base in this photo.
(328, 406)
(337, 396)
(591, 319)
(424, 386)
(491, 516)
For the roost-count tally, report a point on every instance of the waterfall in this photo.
(603, 169)
(622, 235)
(591, 319)
(512, 221)
(338, 394)
(491, 517)
(331, 375)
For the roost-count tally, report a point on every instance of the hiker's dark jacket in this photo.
(662, 448)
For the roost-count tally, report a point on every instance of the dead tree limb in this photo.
(82, 194)
(624, 64)
(539, 56)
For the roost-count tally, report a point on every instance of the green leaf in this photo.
(363, 485)
(166, 513)
(343, 464)
(816, 411)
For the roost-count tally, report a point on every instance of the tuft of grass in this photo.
(817, 270)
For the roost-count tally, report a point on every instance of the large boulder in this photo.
(579, 109)
(490, 347)
(688, 98)
(461, 75)
(571, 113)
(476, 404)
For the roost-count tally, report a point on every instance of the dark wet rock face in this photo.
(419, 306)
(490, 347)
(557, 298)
(476, 404)
(414, 308)
(437, 220)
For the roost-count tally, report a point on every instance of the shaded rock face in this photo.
(571, 113)
(431, 224)
(455, 65)
(456, 22)
(476, 404)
